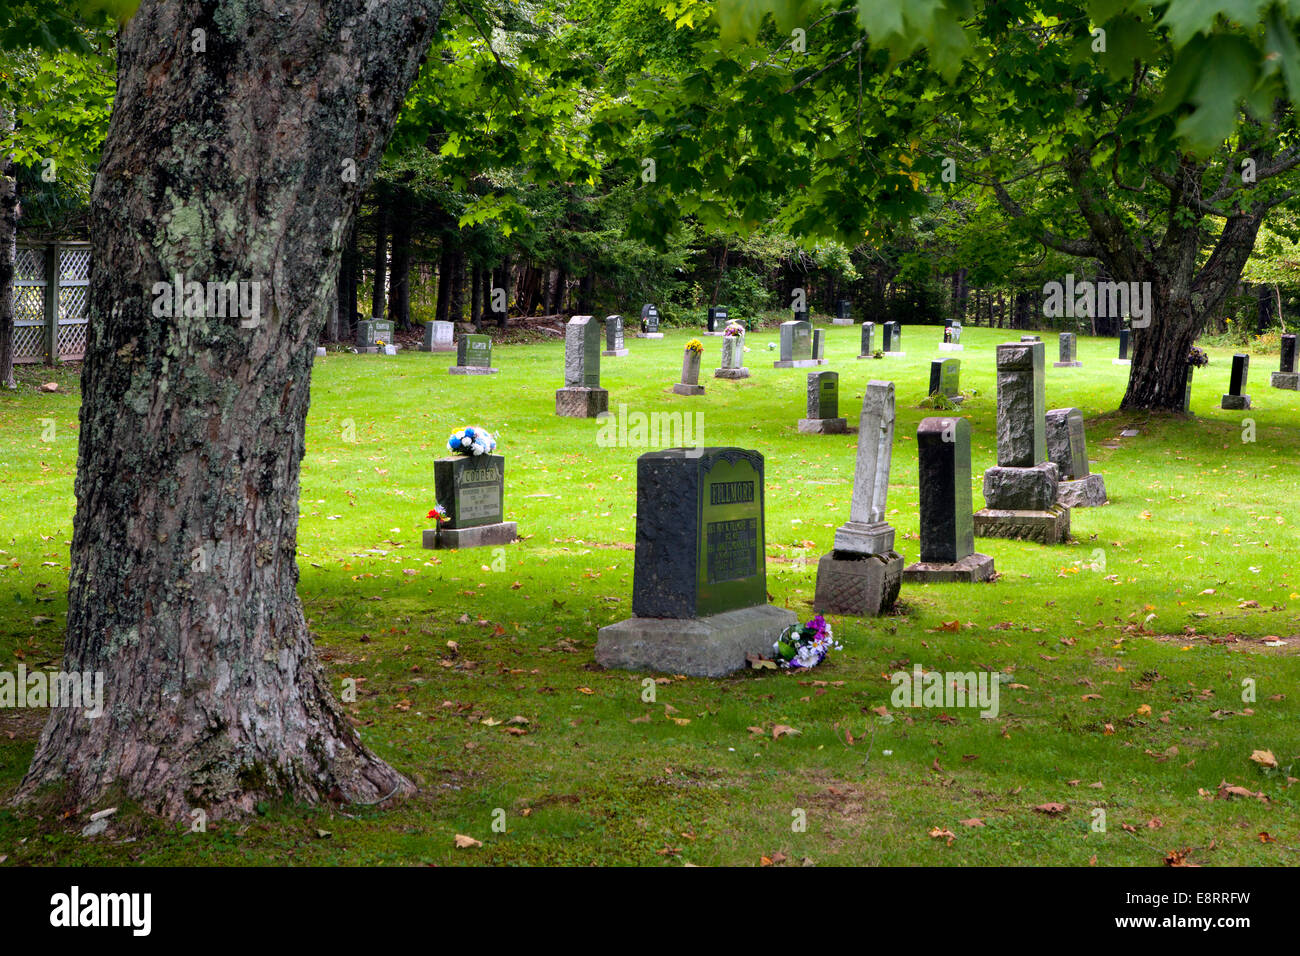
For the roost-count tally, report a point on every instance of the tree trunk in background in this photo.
(446, 263)
(8, 250)
(399, 292)
(456, 305)
(380, 262)
(183, 583)
(476, 297)
(586, 290)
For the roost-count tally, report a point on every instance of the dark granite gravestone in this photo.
(947, 529)
(947, 323)
(370, 332)
(582, 396)
(796, 346)
(1235, 399)
(823, 406)
(438, 337)
(1123, 348)
(471, 490)
(650, 322)
(843, 312)
(1067, 448)
(1067, 352)
(732, 361)
(819, 345)
(614, 337)
(862, 574)
(799, 315)
(868, 332)
(945, 378)
(473, 356)
(699, 582)
(1286, 376)
(892, 340)
(717, 319)
(1020, 491)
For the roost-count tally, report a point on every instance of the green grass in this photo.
(601, 776)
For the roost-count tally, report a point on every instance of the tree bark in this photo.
(183, 581)
(476, 297)
(446, 265)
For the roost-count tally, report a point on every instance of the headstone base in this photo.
(1235, 402)
(614, 353)
(731, 373)
(864, 585)
(799, 363)
(711, 646)
(680, 388)
(377, 349)
(895, 355)
(1121, 361)
(713, 333)
(841, 321)
(867, 356)
(971, 569)
(1087, 492)
(1046, 527)
(860, 537)
(823, 426)
(484, 535)
(1067, 365)
(575, 401)
(1021, 489)
(649, 335)
(951, 347)
(471, 370)
(439, 348)
(1287, 380)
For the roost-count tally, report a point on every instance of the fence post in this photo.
(52, 304)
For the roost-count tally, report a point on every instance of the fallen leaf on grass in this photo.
(972, 822)
(939, 833)
(1179, 858)
(1051, 809)
(782, 730)
(466, 842)
(760, 663)
(1264, 758)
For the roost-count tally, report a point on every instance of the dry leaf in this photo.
(1264, 758)
(1051, 809)
(466, 842)
(782, 730)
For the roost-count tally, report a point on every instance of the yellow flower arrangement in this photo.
(695, 345)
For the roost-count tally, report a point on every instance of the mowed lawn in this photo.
(1130, 648)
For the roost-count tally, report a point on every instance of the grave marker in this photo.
(614, 337)
(1067, 448)
(699, 582)
(1286, 376)
(1020, 491)
(945, 378)
(1067, 347)
(796, 346)
(650, 322)
(732, 362)
(473, 356)
(868, 332)
(471, 490)
(438, 337)
(690, 383)
(862, 573)
(823, 406)
(582, 396)
(1235, 399)
(947, 531)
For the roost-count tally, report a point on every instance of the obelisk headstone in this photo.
(1020, 491)
(582, 396)
(862, 573)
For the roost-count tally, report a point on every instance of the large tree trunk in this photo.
(182, 591)
(1183, 298)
